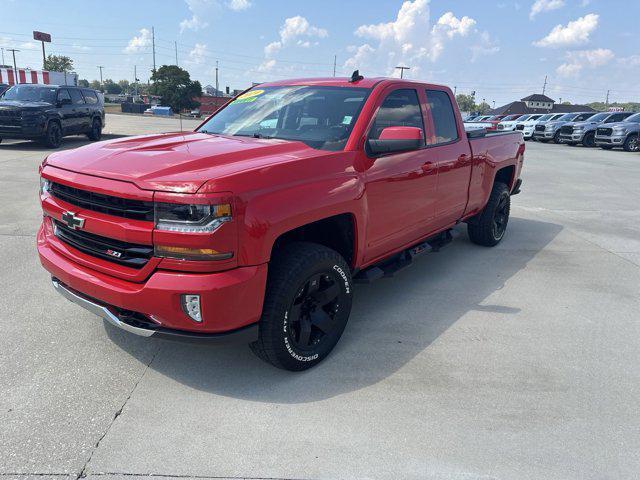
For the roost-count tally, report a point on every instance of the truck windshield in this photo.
(545, 117)
(598, 117)
(30, 93)
(321, 117)
(633, 118)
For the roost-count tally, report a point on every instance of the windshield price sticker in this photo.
(250, 96)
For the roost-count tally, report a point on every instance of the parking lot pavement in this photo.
(521, 361)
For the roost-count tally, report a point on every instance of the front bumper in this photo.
(527, 133)
(543, 134)
(571, 138)
(611, 140)
(21, 132)
(231, 300)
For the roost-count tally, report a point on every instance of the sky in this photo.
(501, 49)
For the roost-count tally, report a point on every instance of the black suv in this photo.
(49, 112)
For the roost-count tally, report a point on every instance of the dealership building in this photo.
(538, 103)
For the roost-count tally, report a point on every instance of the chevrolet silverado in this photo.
(255, 226)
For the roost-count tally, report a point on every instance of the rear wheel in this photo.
(489, 227)
(589, 140)
(631, 144)
(96, 130)
(306, 308)
(53, 135)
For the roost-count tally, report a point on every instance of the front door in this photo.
(82, 113)
(400, 187)
(67, 112)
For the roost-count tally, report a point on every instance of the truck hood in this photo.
(177, 162)
(585, 124)
(631, 125)
(16, 105)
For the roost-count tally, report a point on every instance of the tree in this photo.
(95, 84)
(483, 108)
(58, 63)
(83, 83)
(124, 85)
(466, 103)
(112, 87)
(175, 87)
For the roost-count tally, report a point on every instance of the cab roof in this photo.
(367, 82)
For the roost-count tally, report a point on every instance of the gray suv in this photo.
(551, 130)
(622, 134)
(585, 132)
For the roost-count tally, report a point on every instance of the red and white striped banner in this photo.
(7, 75)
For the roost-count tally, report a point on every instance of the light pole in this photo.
(402, 69)
(15, 67)
(101, 84)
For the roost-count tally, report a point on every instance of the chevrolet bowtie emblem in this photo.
(72, 221)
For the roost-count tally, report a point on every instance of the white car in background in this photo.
(530, 124)
(510, 125)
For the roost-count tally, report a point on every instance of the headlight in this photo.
(620, 130)
(45, 185)
(173, 217)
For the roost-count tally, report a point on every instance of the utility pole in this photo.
(402, 69)
(153, 43)
(101, 84)
(15, 66)
(176, 45)
(135, 79)
(544, 87)
(494, 104)
(216, 77)
(335, 59)
(606, 103)
(2, 48)
(455, 89)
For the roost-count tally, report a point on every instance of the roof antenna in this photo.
(355, 76)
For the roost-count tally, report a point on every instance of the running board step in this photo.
(402, 260)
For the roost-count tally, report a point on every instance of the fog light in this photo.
(191, 306)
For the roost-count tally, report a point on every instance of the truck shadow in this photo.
(392, 321)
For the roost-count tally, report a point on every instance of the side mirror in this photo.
(395, 139)
(64, 101)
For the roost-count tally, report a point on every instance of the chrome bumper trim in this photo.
(99, 310)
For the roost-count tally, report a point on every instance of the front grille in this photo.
(539, 128)
(605, 132)
(120, 207)
(520, 126)
(10, 118)
(566, 130)
(131, 254)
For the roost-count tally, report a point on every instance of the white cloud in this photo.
(580, 59)
(540, 6)
(576, 32)
(84, 48)
(412, 39)
(266, 66)
(293, 28)
(485, 46)
(238, 5)
(193, 23)
(198, 53)
(139, 42)
(629, 62)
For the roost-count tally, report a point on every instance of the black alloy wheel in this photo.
(313, 311)
(501, 217)
(53, 137)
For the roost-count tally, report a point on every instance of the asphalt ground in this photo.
(515, 362)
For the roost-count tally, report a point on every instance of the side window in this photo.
(401, 108)
(76, 97)
(63, 94)
(90, 97)
(442, 113)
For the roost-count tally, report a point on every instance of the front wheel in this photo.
(96, 130)
(306, 307)
(589, 140)
(53, 135)
(556, 137)
(489, 226)
(631, 144)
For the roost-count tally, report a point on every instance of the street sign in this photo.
(42, 37)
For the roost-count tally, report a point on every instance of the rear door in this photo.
(82, 114)
(452, 153)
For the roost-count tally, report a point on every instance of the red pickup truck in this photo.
(255, 226)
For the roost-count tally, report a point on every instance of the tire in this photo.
(589, 140)
(572, 144)
(606, 147)
(556, 137)
(632, 144)
(306, 307)
(95, 133)
(542, 140)
(53, 135)
(489, 226)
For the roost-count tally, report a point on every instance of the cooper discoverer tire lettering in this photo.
(306, 308)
